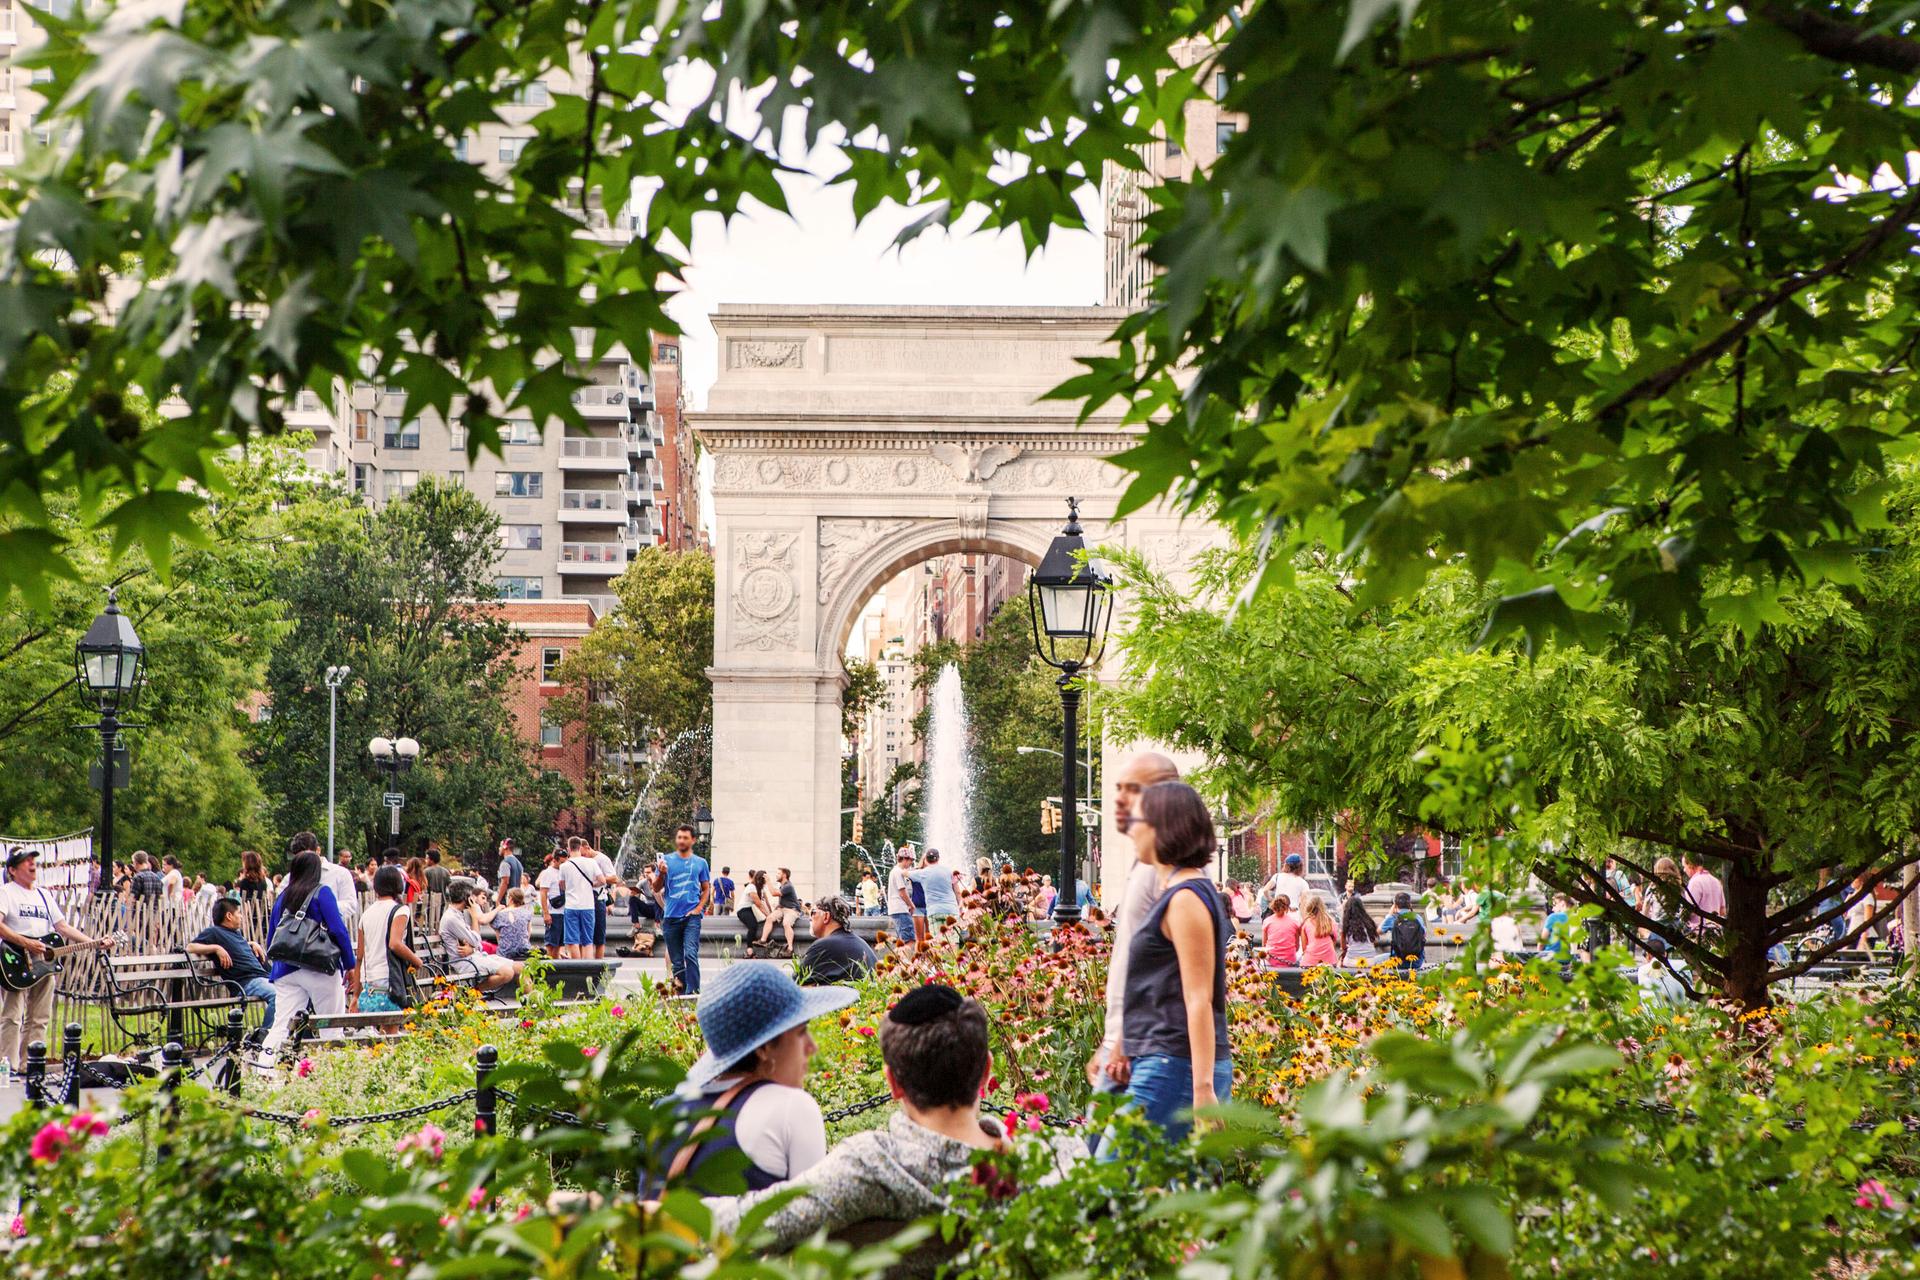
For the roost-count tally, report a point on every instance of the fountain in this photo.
(947, 791)
(673, 783)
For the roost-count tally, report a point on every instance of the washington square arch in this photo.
(849, 443)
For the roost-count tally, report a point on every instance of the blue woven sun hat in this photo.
(748, 1005)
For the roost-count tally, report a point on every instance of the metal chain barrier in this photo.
(1909, 1124)
(376, 1117)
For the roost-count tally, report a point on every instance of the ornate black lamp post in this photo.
(107, 664)
(1071, 598)
(703, 826)
(393, 757)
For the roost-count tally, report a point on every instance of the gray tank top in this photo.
(1154, 1020)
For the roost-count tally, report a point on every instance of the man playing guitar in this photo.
(29, 916)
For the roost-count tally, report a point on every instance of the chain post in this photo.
(70, 1057)
(236, 1032)
(37, 1074)
(484, 1102)
(172, 1061)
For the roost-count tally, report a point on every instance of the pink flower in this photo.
(85, 1124)
(479, 1125)
(1873, 1194)
(1033, 1124)
(310, 1117)
(524, 1212)
(526, 1024)
(303, 1068)
(1677, 1068)
(431, 1139)
(590, 1051)
(618, 1011)
(49, 1142)
(446, 1219)
(476, 1197)
(866, 1031)
(18, 1227)
(1032, 1102)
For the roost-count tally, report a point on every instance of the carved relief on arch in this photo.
(766, 591)
(843, 541)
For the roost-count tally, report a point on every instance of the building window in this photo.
(510, 149)
(362, 479)
(397, 484)
(363, 424)
(520, 537)
(1223, 135)
(460, 147)
(1320, 849)
(1221, 83)
(550, 658)
(457, 435)
(516, 484)
(1449, 856)
(517, 588)
(457, 479)
(1173, 148)
(531, 94)
(551, 733)
(667, 353)
(519, 431)
(401, 435)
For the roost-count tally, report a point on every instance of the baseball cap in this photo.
(20, 854)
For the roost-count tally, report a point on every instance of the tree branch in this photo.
(1830, 37)
(1610, 899)
(1657, 384)
(1842, 943)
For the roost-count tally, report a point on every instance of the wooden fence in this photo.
(151, 927)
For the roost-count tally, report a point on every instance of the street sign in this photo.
(121, 769)
(394, 800)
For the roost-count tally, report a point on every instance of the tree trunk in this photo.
(1745, 937)
(1910, 920)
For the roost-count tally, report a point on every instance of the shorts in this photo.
(786, 915)
(576, 928)
(486, 964)
(377, 1002)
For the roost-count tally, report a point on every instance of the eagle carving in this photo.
(974, 466)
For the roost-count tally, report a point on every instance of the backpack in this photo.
(1409, 936)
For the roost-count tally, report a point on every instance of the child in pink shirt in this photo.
(1282, 935)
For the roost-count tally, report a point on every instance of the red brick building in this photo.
(547, 631)
(676, 469)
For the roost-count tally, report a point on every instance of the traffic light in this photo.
(1049, 818)
(858, 826)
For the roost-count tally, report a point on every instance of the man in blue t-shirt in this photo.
(936, 882)
(723, 892)
(685, 889)
(235, 959)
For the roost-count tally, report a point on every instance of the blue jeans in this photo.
(1162, 1088)
(683, 950)
(261, 989)
(902, 926)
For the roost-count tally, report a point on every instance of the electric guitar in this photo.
(18, 970)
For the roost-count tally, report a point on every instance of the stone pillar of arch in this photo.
(849, 443)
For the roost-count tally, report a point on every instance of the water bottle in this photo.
(6, 1074)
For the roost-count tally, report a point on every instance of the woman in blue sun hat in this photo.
(747, 1087)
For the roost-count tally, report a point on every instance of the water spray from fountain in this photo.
(649, 825)
(946, 797)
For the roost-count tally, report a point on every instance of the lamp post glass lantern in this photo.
(1071, 598)
(703, 825)
(108, 663)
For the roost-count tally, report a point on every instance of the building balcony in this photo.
(592, 559)
(593, 506)
(602, 402)
(9, 26)
(593, 453)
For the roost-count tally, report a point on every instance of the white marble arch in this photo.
(849, 443)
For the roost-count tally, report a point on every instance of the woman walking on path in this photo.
(1174, 1019)
(310, 978)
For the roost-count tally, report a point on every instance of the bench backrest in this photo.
(150, 968)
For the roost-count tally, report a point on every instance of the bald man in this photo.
(1109, 1069)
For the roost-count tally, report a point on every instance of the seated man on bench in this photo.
(934, 1045)
(235, 960)
(461, 937)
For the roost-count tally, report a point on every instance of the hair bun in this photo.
(934, 1000)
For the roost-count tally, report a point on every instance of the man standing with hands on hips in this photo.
(1109, 1069)
(685, 889)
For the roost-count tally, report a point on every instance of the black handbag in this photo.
(303, 942)
(400, 985)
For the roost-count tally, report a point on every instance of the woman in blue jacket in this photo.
(295, 987)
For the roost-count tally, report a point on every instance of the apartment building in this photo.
(1206, 131)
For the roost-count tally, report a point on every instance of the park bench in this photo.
(582, 982)
(160, 993)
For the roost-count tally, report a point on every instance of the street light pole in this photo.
(1071, 598)
(394, 756)
(335, 677)
(107, 671)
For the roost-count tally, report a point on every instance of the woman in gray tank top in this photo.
(1174, 1018)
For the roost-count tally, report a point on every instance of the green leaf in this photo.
(154, 520)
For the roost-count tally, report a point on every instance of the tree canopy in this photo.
(1767, 758)
(1601, 297)
(395, 599)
